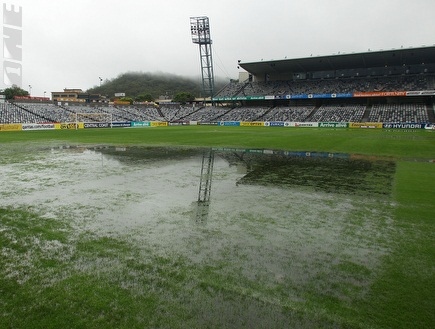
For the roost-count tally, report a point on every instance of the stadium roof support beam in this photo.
(363, 60)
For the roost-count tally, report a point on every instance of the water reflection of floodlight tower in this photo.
(206, 176)
(205, 186)
(200, 31)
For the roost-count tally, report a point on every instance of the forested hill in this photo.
(134, 84)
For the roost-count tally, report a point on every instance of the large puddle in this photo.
(293, 220)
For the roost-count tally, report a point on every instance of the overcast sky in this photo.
(70, 44)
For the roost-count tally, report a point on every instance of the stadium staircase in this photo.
(242, 89)
(260, 118)
(120, 116)
(366, 114)
(123, 114)
(237, 92)
(308, 118)
(42, 117)
(215, 119)
(159, 111)
(67, 110)
(190, 113)
(431, 113)
(220, 116)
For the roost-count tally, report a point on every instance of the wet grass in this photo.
(402, 296)
(346, 176)
(106, 282)
(396, 143)
(338, 260)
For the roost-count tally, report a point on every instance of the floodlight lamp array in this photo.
(200, 30)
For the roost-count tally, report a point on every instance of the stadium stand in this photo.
(388, 86)
(288, 113)
(399, 113)
(177, 113)
(16, 113)
(244, 114)
(207, 114)
(327, 86)
(339, 113)
(44, 113)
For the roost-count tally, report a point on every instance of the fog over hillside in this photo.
(156, 84)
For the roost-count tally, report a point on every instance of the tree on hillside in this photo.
(127, 99)
(15, 91)
(183, 97)
(135, 84)
(144, 98)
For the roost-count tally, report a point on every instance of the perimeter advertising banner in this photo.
(241, 98)
(38, 126)
(251, 124)
(380, 94)
(159, 124)
(421, 93)
(32, 98)
(140, 124)
(333, 125)
(292, 124)
(272, 97)
(315, 96)
(365, 125)
(274, 124)
(69, 99)
(69, 125)
(404, 125)
(332, 95)
(88, 125)
(11, 127)
(229, 123)
(121, 124)
(208, 123)
(306, 124)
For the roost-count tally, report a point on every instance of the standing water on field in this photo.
(281, 227)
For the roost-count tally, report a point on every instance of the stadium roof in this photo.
(370, 59)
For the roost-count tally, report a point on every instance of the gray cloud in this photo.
(72, 44)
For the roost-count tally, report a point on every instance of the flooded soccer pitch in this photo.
(231, 237)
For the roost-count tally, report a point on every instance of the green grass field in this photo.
(397, 143)
(58, 278)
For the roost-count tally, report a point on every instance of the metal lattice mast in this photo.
(200, 30)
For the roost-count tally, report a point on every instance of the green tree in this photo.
(144, 98)
(126, 99)
(184, 97)
(15, 91)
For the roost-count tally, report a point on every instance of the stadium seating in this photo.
(328, 86)
(43, 113)
(284, 109)
(287, 113)
(416, 113)
(340, 113)
(207, 114)
(16, 113)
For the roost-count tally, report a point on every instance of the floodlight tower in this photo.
(200, 30)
